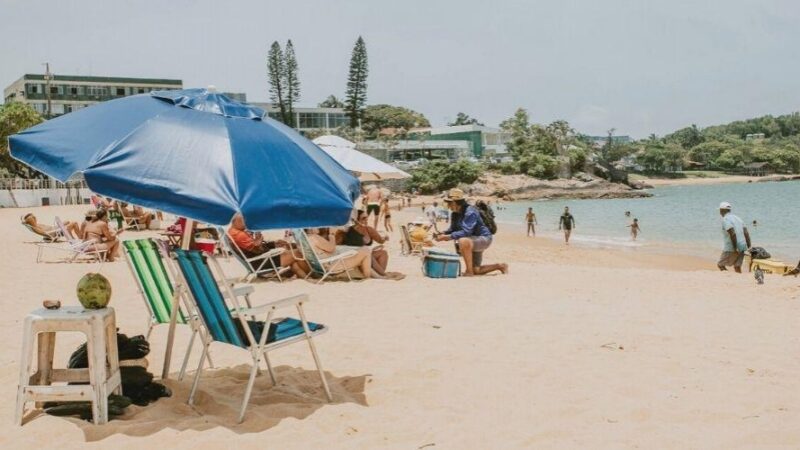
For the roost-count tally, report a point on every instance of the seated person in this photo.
(360, 234)
(51, 232)
(101, 202)
(324, 244)
(419, 233)
(104, 239)
(137, 213)
(253, 245)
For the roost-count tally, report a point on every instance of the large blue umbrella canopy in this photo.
(194, 153)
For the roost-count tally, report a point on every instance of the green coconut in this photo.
(94, 291)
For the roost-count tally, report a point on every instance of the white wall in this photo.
(33, 197)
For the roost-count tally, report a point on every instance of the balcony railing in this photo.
(39, 183)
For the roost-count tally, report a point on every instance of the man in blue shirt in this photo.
(471, 235)
(735, 239)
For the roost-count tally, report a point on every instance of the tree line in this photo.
(284, 83)
(728, 147)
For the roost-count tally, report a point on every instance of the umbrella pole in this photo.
(173, 319)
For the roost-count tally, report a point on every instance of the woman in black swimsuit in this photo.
(359, 235)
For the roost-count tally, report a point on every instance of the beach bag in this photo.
(440, 264)
(759, 253)
(487, 215)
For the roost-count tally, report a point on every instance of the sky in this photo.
(637, 66)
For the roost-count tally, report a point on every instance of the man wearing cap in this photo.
(736, 239)
(471, 235)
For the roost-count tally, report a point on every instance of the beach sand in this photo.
(575, 348)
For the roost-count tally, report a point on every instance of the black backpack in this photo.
(487, 215)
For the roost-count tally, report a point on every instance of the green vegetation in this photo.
(356, 93)
(377, 117)
(438, 176)
(767, 139)
(464, 119)
(15, 117)
(331, 102)
(543, 151)
(284, 84)
(292, 81)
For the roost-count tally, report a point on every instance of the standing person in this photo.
(433, 212)
(530, 218)
(374, 198)
(566, 223)
(386, 212)
(735, 239)
(471, 235)
(635, 229)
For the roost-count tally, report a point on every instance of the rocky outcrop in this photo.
(523, 187)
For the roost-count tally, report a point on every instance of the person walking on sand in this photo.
(374, 198)
(735, 239)
(386, 212)
(530, 218)
(635, 229)
(470, 233)
(566, 223)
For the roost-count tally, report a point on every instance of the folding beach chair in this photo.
(233, 327)
(148, 269)
(74, 246)
(410, 247)
(323, 267)
(254, 268)
(50, 236)
(128, 222)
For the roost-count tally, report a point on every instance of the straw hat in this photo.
(454, 195)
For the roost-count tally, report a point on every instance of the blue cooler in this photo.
(440, 264)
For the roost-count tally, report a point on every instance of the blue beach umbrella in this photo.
(194, 153)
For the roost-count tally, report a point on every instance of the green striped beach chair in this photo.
(147, 266)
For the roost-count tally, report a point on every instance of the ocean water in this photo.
(682, 219)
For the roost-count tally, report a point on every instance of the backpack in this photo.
(759, 253)
(487, 215)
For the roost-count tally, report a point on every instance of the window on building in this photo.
(140, 90)
(73, 90)
(33, 88)
(54, 89)
(68, 109)
(120, 91)
(96, 91)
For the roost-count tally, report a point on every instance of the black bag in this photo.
(487, 215)
(759, 253)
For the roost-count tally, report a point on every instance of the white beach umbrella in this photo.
(367, 167)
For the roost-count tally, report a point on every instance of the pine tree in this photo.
(276, 70)
(356, 95)
(292, 81)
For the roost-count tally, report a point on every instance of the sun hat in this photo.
(725, 205)
(454, 195)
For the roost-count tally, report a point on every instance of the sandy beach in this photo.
(575, 348)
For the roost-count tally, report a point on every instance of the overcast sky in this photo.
(638, 66)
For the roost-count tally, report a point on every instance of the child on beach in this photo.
(635, 229)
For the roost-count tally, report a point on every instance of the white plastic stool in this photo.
(103, 375)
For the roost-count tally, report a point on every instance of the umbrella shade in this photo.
(196, 154)
(368, 168)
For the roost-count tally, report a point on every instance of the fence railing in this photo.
(39, 183)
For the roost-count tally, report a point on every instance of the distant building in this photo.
(754, 137)
(311, 119)
(599, 141)
(237, 96)
(68, 93)
(483, 141)
(410, 150)
(757, 169)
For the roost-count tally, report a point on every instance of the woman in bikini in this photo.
(101, 234)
